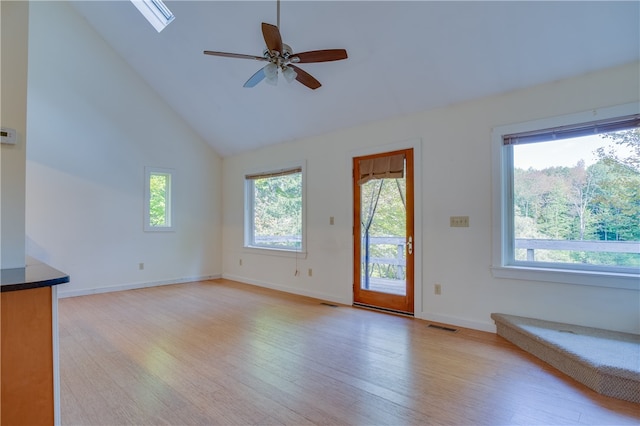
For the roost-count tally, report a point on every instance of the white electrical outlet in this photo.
(141, 266)
(310, 272)
(437, 289)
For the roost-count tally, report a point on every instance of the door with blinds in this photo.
(383, 231)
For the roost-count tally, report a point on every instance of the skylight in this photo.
(156, 12)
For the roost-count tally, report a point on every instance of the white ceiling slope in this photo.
(403, 57)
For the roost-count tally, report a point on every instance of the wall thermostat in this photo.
(8, 136)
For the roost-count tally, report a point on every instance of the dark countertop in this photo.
(35, 274)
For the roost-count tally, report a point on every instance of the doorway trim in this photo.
(416, 145)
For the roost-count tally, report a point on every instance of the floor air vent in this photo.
(440, 327)
(331, 305)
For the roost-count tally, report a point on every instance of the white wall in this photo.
(93, 126)
(15, 29)
(455, 170)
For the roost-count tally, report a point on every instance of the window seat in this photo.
(606, 361)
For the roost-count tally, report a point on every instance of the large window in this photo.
(275, 209)
(158, 205)
(570, 199)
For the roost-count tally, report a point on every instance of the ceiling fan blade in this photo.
(235, 55)
(306, 78)
(256, 78)
(320, 56)
(272, 37)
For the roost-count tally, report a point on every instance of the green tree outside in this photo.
(158, 186)
(600, 202)
(278, 210)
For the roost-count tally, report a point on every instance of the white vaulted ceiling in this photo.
(403, 57)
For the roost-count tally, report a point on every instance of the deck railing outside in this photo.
(531, 245)
(394, 267)
(384, 264)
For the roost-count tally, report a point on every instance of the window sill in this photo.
(160, 229)
(266, 251)
(586, 278)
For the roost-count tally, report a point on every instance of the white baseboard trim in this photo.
(298, 291)
(489, 327)
(122, 287)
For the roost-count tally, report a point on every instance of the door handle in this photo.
(410, 245)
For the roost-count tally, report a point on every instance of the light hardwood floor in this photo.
(222, 352)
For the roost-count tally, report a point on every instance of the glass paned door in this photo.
(383, 231)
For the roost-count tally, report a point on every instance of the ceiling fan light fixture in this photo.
(271, 73)
(289, 74)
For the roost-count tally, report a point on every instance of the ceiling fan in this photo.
(280, 56)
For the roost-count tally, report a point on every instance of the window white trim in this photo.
(248, 211)
(502, 226)
(156, 12)
(148, 172)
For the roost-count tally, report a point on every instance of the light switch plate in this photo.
(459, 221)
(8, 136)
